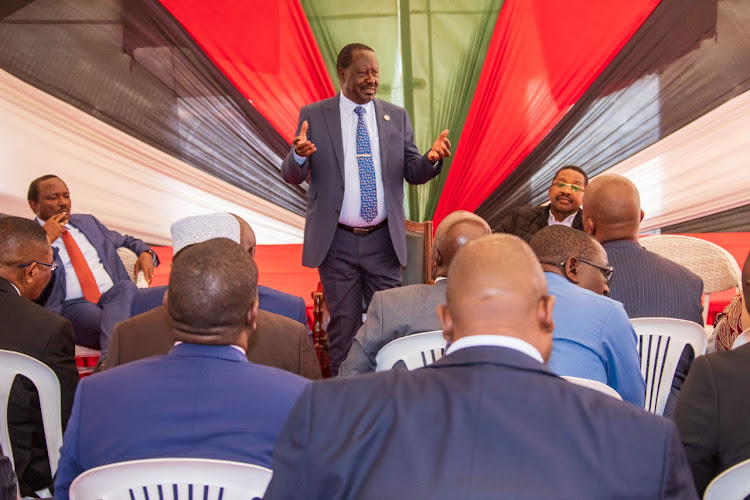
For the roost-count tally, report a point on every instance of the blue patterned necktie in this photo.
(367, 189)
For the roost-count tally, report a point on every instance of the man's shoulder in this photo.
(29, 312)
(281, 325)
(575, 298)
(323, 103)
(418, 290)
(632, 256)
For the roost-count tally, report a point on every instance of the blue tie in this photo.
(368, 191)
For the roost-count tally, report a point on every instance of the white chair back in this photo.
(47, 385)
(732, 484)
(741, 339)
(416, 351)
(717, 268)
(129, 258)
(594, 384)
(660, 344)
(172, 479)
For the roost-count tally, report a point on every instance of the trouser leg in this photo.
(115, 304)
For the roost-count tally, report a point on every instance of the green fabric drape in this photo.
(444, 52)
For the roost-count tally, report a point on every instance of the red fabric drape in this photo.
(265, 48)
(542, 57)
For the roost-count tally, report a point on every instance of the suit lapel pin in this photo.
(387, 118)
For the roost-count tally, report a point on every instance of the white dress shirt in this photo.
(567, 221)
(72, 285)
(495, 340)
(350, 208)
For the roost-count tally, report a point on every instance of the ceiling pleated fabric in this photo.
(536, 68)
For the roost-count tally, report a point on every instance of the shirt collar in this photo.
(348, 106)
(440, 278)
(178, 342)
(567, 221)
(495, 340)
(15, 288)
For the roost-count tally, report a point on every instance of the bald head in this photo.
(23, 242)
(247, 235)
(212, 293)
(613, 209)
(496, 287)
(453, 232)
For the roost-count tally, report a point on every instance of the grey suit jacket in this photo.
(393, 314)
(278, 342)
(400, 160)
(649, 286)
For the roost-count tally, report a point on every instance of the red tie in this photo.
(85, 277)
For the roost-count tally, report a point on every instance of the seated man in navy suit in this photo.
(219, 225)
(204, 398)
(488, 420)
(90, 286)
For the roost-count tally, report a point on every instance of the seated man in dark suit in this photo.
(90, 286)
(593, 335)
(25, 267)
(278, 341)
(647, 284)
(220, 225)
(203, 399)
(713, 408)
(488, 420)
(565, 198)
(406, 310)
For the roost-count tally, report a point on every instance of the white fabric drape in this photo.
(701, 169)
(127, 184)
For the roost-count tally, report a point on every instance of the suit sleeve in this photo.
(290, 462)
(59, 355)
(367, 342)
(678, 482)
(417, 168)
(507, 224)
(696, 417)
(291, 171)
(308, 360)
(70, 466)
(622, 359)
(118, 240)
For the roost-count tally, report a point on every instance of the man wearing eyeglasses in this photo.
(565, 200)
(593, 337)
(25, 268)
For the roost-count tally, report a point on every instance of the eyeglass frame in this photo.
(52, 266)
(575, 188)
(607, 271)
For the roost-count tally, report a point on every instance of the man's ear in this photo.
(33, 206)
(545, 309)
(252, 316)
(571, 270)
(446, 322)
(643, 214)
(29, 272)
(340, 73)
(164, 299)
(589, 225)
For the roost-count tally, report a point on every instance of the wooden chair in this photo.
(419, 249)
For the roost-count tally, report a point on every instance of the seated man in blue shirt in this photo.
(593, 337)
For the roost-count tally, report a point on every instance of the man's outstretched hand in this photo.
(440, 149)
(302, 146)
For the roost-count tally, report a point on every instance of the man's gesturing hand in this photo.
(55, 225)
(441, 148)
(302, 146)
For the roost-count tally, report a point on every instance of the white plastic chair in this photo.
(660, 344)
(47, 385)
(741, 339)
(172, 479)
(717, 268)
(416, 351)
(594, 384)
(732, 484)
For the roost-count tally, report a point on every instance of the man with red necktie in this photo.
(90, 286)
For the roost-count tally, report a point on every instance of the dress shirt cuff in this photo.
(299, 159)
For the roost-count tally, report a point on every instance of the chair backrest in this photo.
(660, 344)
(129, 258)
(172, 479)
(594, 384)
(418, 268)
(741, 339)
(47, 385)
(732, 484)
(717, 268)
(416, 351)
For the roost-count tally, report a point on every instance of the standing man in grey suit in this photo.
(403, 311)
(356, 151)
(647, 284)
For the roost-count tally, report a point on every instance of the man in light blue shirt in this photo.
(593, 337)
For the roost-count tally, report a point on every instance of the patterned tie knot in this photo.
(359, 110)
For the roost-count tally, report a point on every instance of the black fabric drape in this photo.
(689, 57)
(132, 65)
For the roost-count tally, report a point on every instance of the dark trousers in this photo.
(93, 323)
(356, 266)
